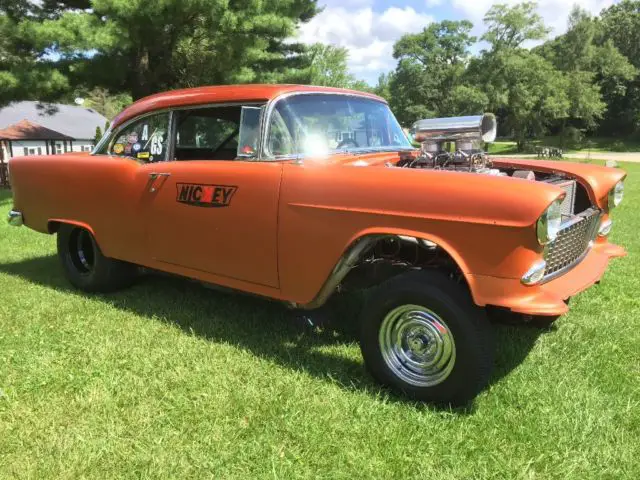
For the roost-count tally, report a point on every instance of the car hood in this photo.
(598, 180)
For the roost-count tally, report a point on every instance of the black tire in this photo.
(445, 303)
(86, 267)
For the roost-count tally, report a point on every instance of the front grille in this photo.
(571, 244)
(569, 186)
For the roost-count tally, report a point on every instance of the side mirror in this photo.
(249, 137)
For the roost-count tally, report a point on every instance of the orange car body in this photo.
(288, 223)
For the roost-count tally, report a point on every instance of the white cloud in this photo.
(368, 35)
(554, 12)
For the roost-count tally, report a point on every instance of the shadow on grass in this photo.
(266, 329)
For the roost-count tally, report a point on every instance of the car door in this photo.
(208, 209)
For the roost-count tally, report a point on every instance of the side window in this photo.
(280, 141)
(144, 140)
(207, 133)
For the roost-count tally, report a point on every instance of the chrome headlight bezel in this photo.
(616, 194)
(549, 223)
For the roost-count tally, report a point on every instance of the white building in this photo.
(35, 128)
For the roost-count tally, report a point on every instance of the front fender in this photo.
(486, 224)
(598, 180)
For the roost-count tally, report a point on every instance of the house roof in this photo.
(26, 130)
(221, 94)
(70, 121)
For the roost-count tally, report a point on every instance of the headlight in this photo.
(616, 194)
(549, 223)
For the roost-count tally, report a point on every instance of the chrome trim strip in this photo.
(346, 262)
(14, 218)
(169, 154)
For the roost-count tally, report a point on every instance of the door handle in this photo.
(153, 177)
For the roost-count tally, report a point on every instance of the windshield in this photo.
(320, 124)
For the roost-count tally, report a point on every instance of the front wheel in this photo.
(86, 267)
(422, 336)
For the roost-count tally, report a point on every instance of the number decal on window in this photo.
(156, 144)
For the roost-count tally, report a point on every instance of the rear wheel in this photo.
(422, 336)
(86, 267)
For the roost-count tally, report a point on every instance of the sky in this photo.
(369, 28)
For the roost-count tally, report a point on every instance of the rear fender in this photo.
(53, 225)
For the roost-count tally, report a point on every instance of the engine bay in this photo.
(454, 144)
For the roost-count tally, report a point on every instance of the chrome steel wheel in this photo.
(417, 345)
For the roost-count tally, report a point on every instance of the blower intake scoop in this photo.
(469, 134)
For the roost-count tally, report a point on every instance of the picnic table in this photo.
(549, 152)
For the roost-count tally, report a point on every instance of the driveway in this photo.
(617, 156)
(633, 157)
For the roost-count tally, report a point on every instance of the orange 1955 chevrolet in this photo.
(295, 192)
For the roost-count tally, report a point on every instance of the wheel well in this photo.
(53, 226)
(392, 255)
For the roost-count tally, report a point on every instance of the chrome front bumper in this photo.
(15, 218)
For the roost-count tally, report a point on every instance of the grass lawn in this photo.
(502, 147)
(172, 380)
(597, 144)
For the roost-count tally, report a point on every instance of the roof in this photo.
(26, 130)
(71, 121)
(220, 94)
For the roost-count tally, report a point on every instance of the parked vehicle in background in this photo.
(295, 192)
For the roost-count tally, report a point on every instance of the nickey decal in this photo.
(205, 195)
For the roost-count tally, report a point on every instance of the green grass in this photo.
(172, 380)
(592, 144)
(502, 147)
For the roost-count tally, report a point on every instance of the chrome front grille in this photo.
(572, 242)
(569, 186)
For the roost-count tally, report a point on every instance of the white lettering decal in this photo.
(156, 145)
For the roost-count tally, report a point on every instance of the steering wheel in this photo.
(347, 141)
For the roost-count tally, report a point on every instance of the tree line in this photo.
(585, 81)
(114, 51)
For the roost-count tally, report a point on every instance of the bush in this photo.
(572, 137)
(618, 146)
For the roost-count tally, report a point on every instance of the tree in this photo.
(510, 27)
(382, 88)
(431, 65)
(596, 71)
(23, 69)
(620, 29)
(524, 89)
(97, 136)
(105, 103)
(141, 47)
(328, 66)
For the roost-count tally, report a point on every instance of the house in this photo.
(35, 128)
